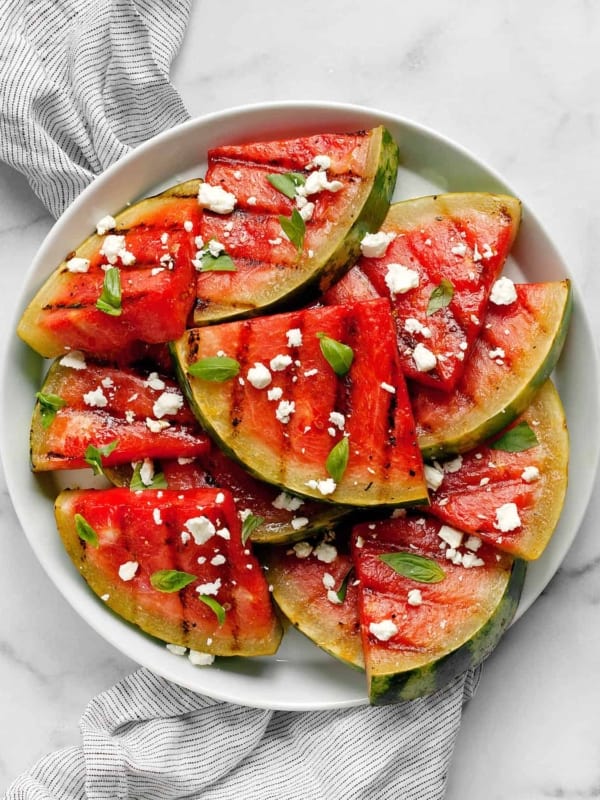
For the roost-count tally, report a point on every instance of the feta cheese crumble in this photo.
(259, 376)
(95, 398)
(74, 360)
(503, 292)
(294, 337)
(383, 630)
(284, 411)
(374, 245)
(507, 517)
(128, 570)
(326, 553)
(167, 403)
(326, 486)
(433, 477)
(415, 598)
(287, 501)
(210, 588)
(280, 362)
(201, 528)
(400, 279)
(530, 474)
(424, 359)
(77, 264)
(216, 199)
(105, 224)
(199, 659)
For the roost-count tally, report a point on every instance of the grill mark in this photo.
(275, 164)
(170, 542)
(291, 390)
(238, 394)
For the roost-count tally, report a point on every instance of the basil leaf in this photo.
(440, 296)
(287, 182)
(220, 263)
(85, 531)
(136, 483)
(49, 405)
(410, 565)
(110, 300)
(214, 605)
(215, 368)
(94, 455)
(517, 439)
(171, 580)
(249, 525)
(339, 356)
(294, 228)
(337, 460)
(341, 592)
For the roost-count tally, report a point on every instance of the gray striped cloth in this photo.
(82, 82)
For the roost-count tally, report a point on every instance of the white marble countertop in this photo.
(516, 83)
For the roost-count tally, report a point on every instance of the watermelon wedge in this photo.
(314, 586)
(438, 267)
(518, 347)
(429, 609)
(281, 409)
(510, 491)
(336, 188)
(140, 267)
(173, 564)
(127, 415)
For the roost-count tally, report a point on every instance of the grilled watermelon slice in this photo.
(360, 175)
(517, 349)
(277, 517)
(510, 492)
(122, 542)
(128, 414)
(314, 587)
(156, 288)
(438, 270)
(291, 420)
(417, 635)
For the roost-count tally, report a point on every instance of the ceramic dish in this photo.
(299, 676)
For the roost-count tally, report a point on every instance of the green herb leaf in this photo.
(85, 531)
(136, 483)
(294, 228)
(339, 356)
(410, 565)
(337, 460)
(341, 592)
(220, 263)
(440, 296)
(94, 455)
(171, 580)
(249, 525)
(287, 182)
(517, 439)
(49, 405)
(214, 605)
(110, 300)
(215, 368)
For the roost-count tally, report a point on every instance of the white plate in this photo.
(299, 676)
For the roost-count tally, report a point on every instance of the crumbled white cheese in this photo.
(201, 528)
(224, 533)
(325, 552)
(210, 588)
(74, 360)
(217, 560)
(113, 248)
(471, 560)
(498, 352)
(167, 403)
(374, 245)
(530, 474)
(325, 487)
(128, 570)
(453, 465)
(287, 502)
(294, 337)
(332, 596)
(503, 292)
(318, 182)
(129, 416)
(156, 516)
(147, 471)
(424, 359)
(299, 522)
(302, 549)
(77, 264)
(451, 536)
(252, 201)
(215, 248)
(216, 199)
(307, 211)
(328, 580)
(383, 630)
(155, 382)
(95, 398)
(199, 659)
(412, 325)
(400, 279)
(459, 249)
(156, 425)
(276, 393)
(280, 362)
(105, 224)
(319, 162)
(473, 543)
(259, 376)
(177, 649)
(337, 419)
(415, 598)
(387, 387)
(433, 476)
(507, 517)
(487, 251)
(284, 411)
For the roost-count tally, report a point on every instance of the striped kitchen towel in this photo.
(146, 738)
(82, 82)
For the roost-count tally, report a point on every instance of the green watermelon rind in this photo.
(341, 252)
(438, 674)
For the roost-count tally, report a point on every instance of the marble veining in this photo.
(517, 83)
